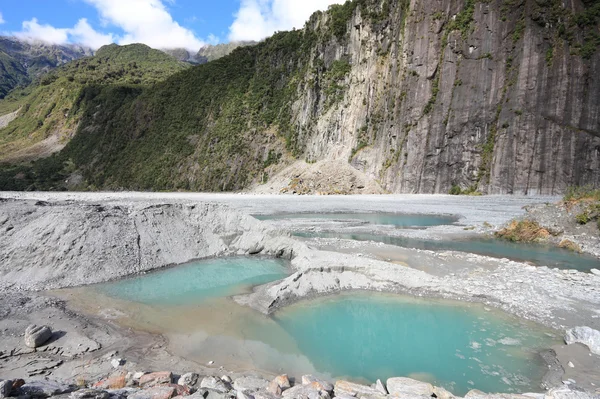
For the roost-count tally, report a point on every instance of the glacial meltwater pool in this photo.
(394, 219)
(541, 255)
(360, 336)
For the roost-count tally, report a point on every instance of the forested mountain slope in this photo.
(499, 96)
(49, 111)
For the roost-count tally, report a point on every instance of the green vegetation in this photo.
(589, 198)
(582, 193)
(457, 190)
(12, 74)
(524, 231)
(53, 106)
(579, 30)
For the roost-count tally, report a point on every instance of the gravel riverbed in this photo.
(56, 240)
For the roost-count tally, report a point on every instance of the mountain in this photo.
(207, 53)
(21, 62)
(48, 112)
(210, 52)
(497, 96)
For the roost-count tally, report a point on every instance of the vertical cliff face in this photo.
(500, 96)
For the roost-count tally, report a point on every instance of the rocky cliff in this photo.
(497, 96)
(493, 96)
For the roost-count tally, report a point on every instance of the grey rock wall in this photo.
(506, 118)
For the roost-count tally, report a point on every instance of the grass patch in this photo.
(524, 231)
(582, 193)
(570, 245)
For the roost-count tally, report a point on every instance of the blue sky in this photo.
(158, 23)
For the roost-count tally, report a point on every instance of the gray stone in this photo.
(350, 388)
(116, 363)
(226, 379)
(595, 271)
(156, 392)
(5, 388)
(44, 389)
(244, 395)
(274, 388)
(282, 381)
(584, 335)
(262, 394)
(303, 391)
(250, 384)
(122, 392)
(317, 383)
(403, 385)
(188, 380)
(380, 387)
(567, 393)
(212, 394)
(442, 393)
(215, 384)
(90, 394)
(37, 336)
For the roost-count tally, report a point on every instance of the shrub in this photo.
(524, 231)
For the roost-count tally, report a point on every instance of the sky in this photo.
(188, 24)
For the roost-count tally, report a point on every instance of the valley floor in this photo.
(559, 299)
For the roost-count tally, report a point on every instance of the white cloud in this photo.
(84, 34)
(142, 21)
(257, 19)
(1, 19)
(146, 21)
(81, 33)
(34, 31)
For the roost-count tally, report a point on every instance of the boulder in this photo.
(227, 379)
(215, 383)
(380, 387)
(441, 393)
(113, 382)
(265, 395)
(274, 388)
(44, 389)
(180, 390)
(121, 393)
(350, 388)
(317, 383)
(36, 336)
(586, 336)
(250, 384)
(304, 391)
(403, 385)
(158, 378)
(283, 381)
(567, 393)
(90, 394)
(188, 380)
(156, 392)
(244, 395)
(203, 393)
(5, 388)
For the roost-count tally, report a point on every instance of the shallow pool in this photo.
(394, 219)
(197, 281)
(541, 255)
(461, 347)
(361, 336)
